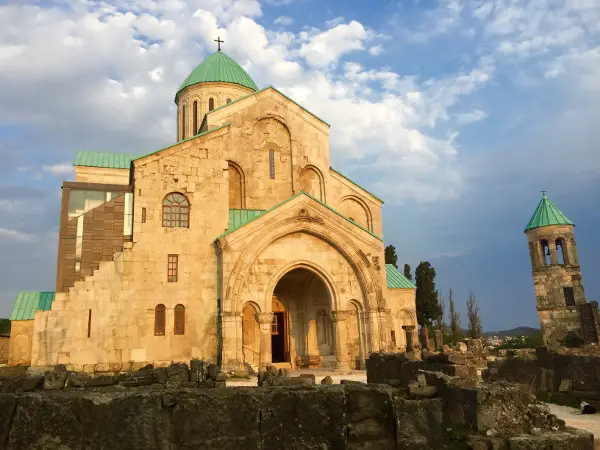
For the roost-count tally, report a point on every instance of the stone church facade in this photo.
(238, 244)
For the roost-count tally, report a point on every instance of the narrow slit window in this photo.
(183, 122)
(195, 118)
(143, 215)
(211, 104)
(179, 320)
(172, 268)
(89, 323)
(159, 320)
(272, 164)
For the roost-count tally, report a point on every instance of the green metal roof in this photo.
(397, 280)
(240, 217)
(218, 67)
(104, 159)
(546, 214)
(27, 303)
(293, 197)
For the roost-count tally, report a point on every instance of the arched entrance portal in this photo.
(302, 332)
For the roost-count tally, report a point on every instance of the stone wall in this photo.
(4, 340)
(570, 376)
(21, 335)
(348, 416)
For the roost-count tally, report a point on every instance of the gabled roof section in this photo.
(397, 280)
(290, 199)
(547, 214)
(27, 303)
(262, 90)
(355, 184)
(104, 159)
(185, 140)
(240, 217)
(122, 160)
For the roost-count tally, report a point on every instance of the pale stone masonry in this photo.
(275, 256)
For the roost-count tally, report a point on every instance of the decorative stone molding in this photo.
(265, 318)
(339, 316)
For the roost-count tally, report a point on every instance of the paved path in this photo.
(575, 419)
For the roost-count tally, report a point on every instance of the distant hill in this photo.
(519, 331)
(4, 326)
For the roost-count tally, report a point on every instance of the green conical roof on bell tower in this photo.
(547, 214)
(218, 67)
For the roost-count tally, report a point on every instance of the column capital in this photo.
(408, 327)
(339, 315)
(265, 318)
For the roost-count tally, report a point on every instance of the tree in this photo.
(454, 318)
(407, 273)
(390, 256)
(426, 297)
(442, 310)
(473, 316)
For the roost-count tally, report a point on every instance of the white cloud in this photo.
(375, 50)
(326, 47)
(59, 169)
(14, 235)
(470, 117)
(279, 2)
(284, 20)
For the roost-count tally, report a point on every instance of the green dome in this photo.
(218, 67)
(547, 214)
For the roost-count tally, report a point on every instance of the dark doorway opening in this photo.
(279, 347)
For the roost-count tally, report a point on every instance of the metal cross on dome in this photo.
(219, 42)
(543, 193)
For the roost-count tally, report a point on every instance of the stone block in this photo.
(88, 368)
(55, 379)
(568, 439)
(302, 419)
(327, 380)
(198, 370)
(423, 391)
(308, 376)
(419, 424)
(178, 372)
(25, 383)
(115, 367)
(566, 385)
(369, 416)
(234, 419)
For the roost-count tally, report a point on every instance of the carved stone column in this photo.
(410, 344)
(341, 338)
(265, 321)
(439, 340)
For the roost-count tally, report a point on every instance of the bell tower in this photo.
(566, 318)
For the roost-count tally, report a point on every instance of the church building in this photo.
(239, 244)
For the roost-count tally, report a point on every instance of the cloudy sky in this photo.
(455, 112)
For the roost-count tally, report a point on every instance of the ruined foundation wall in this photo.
(577, 377)
(351, 416)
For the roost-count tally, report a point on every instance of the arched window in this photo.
(211, 104)
(228, 101)
(183, 122)
(271, 164)
(176, 211)
(180, 319)
(159, 320)
(545, 252)
(195, 118)
(561, 250)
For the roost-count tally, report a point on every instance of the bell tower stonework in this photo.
(566, 318)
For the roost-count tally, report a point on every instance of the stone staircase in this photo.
(588, 324)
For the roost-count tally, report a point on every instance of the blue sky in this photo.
(456, 112)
